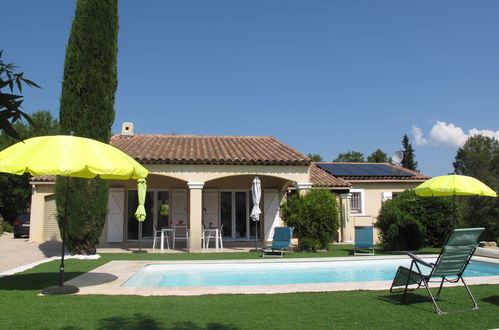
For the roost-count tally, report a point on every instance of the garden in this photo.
(324, 310)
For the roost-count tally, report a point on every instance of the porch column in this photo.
(303, 187)
(346, 231)
(195, 215)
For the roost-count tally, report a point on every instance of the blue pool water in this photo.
(271, 273)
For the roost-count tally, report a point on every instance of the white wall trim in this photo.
(195, 185)
(362, 202)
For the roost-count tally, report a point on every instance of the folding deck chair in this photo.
(280, 242)
(452, 261)
(364, 240)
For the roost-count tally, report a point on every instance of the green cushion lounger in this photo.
(280, 242)
(451, 262)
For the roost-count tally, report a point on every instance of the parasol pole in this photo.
(61, 288)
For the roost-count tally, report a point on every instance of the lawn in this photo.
(22, 308)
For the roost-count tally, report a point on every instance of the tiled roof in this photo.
(208, 149)
(43, 178)
(412, 175)
(319, 177)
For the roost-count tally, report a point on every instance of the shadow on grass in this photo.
(494, 300)
(140, 321)
(36, 281)
(410, 298)
(421, 300)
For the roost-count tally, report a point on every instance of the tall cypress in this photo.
(409, 160)
(87, 109)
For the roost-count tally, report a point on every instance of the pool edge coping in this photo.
(108, 279)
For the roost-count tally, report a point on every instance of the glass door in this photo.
(234, 215)
(157, 207)
(162, 209)
(133, 223)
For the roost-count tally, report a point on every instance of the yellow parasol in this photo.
(71, 156)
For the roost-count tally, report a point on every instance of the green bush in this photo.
(314, 216)
(409, 222)
(6, 227)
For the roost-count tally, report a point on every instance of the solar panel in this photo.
(363, 170)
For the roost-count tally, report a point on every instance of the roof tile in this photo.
(208, 149)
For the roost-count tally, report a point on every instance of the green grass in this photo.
(23, 309)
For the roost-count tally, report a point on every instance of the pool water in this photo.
(272, 273)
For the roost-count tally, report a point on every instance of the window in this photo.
(357, 203)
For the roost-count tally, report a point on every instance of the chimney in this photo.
(127, 129)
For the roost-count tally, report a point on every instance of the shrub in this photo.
(314, 216)
(409, 222)
(6, 227)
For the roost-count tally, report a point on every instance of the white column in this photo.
(195, 215)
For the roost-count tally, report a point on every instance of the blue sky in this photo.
(324, 77)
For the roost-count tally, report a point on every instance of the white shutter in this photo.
(271, 218)
(116, 206)
(179, 206)
(210, 207)
(50, 226)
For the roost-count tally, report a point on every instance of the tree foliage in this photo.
(409, 160)
(87, 109)
(315, 157)
(378, 156)
(10, 104)
(15, 190)
(409, 222)
(351, 156)
(479, 158)
(314, 216)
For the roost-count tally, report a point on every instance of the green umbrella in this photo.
(70, 156)
(140, 214)
(454, 185)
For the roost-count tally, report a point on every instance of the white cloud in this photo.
(418, 136)
(448, 134)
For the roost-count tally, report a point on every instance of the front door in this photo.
(234, 215)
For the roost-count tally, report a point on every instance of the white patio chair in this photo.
(216, 235)
(157, 236)
(180, 233)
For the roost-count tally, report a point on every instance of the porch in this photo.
(221, 198)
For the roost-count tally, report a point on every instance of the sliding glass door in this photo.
(235, 207)
(157, 207)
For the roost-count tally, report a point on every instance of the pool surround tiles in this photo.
(108, 279)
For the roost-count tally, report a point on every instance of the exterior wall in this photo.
(38, 194)
(372, 200)
(171, 177)
(204, 173)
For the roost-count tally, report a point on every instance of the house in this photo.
(206, 180)
(194, 180)
(370, 184)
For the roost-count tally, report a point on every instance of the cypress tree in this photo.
(408, 161)
(87, 109)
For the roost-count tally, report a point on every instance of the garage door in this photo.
(50, 228)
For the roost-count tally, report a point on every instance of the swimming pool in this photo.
(276, 273)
